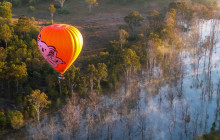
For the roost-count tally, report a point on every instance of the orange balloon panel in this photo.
(60, 45)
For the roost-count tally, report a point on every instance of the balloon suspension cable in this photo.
(61, 76)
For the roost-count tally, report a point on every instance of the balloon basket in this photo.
(61, 76)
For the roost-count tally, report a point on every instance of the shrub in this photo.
(58, 102)
(26, 114)
(19, 99)
(34, 31)
(16, 3)
(63, 11)
(31, 9)
(57, 5)
(15, 119)
(51, 21)
(33, 19)
(32, 112)
(2, 101)
(65, 91)
(2, 120)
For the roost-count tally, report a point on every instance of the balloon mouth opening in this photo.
(61, 76)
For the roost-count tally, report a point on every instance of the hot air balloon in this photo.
(60, 45)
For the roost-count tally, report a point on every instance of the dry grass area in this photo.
(211, 136)
(97, 28)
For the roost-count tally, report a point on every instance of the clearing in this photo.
(97, 28)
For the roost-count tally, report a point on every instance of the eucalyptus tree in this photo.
(92, 77)
(5, 10)
(91, 3)
(130, 63)
(71, 77)
(155, 20)
(52, 10)
(102, 73)
(133, 20)
(5, 33)
(123, 35)
(39, 101)
(71, 114)
(23, 26)
(3, 55)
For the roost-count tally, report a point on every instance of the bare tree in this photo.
(170, 128)
(186, 118)
(35, 131)
(89, 124)
(142, 122)
(194, 37)
(128, 122)
(71, 115)
(61, 2)
(212, 42)
(195, 125)
(94, 101)
(151, 59)
(110, 120)
(52, 129)
(170, 96)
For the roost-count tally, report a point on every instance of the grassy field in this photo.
(211, 136)
(98, 28)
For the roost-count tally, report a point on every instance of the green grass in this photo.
(212, 136)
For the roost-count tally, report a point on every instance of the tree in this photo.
(91, 3)
(181, 7)
(52, 129)
(23, 25)
(5, 33)
(102, 72)
(33, 49)
(130, 62)
(155, 20)
(52, 10)
(133, 19)
(128, 123)
(3, 56)
(110, 120)
(18, 72)
(61, 2)
(91, 72)
(170, 18)
(201, 11)
(16, 119)
(142, 117)
(123, 35)
(71, 116)
(5, 9)
(2, 120)
(39, 101)
(71, 77)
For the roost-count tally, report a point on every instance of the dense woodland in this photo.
(26, 78)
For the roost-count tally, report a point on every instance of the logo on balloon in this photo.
(49, 53)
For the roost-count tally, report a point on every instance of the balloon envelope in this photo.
(60, 45)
